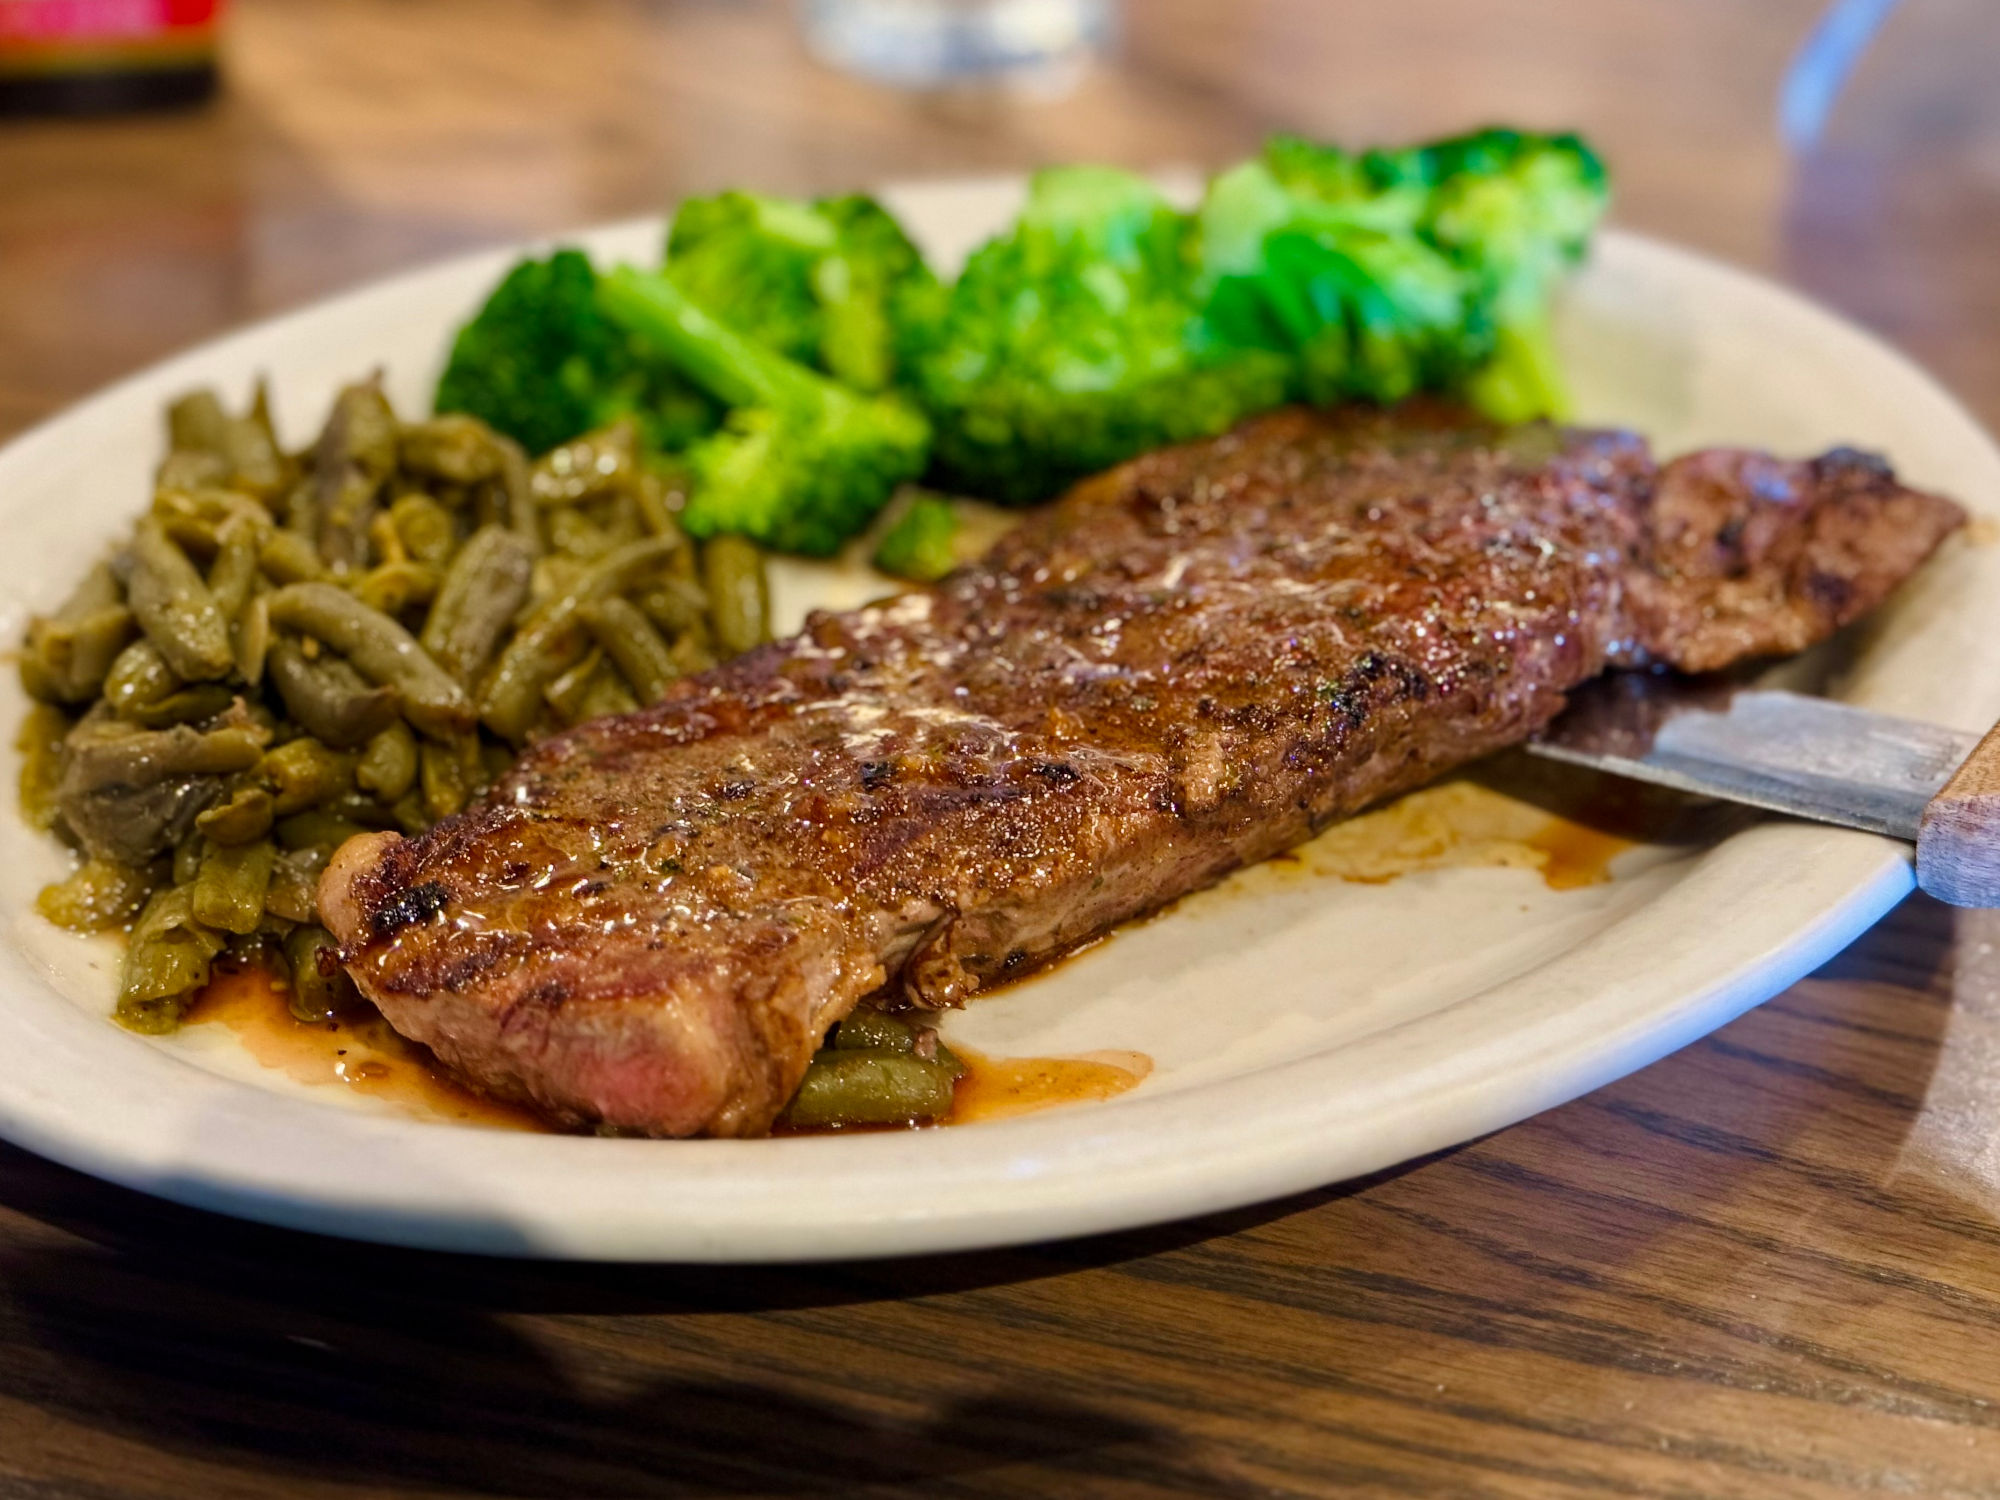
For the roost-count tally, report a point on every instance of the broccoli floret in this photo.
(801, 463)
(1401, 270)
(542, 364)
(834, 284)
(920, 546)
(1300, 255)
(1074, 341)
(1516, 212)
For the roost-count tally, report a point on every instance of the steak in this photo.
(1188, 664)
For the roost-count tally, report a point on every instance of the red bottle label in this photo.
(54, 36)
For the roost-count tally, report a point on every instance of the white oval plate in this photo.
(1303, 1033)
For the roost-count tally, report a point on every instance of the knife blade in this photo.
(1787, 752)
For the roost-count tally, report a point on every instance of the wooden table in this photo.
(1769, 1266)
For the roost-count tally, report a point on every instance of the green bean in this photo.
(101, 894)
(346, 502)
(294, 889)
(139, 678)
(410, 813)
(516, 495)
(244, 818)
(455, 447)
(186, 861)
(328, 697)
(105, 753)
(198, 422)
(676, 605)
(361, 431)
(289, 558)
(234, 572)
(69, 652)
(565, 693)
(316, 830)
(693, 653)
(186, 469)
(588, 532)
(174, 606)
(425, 529)
(450, 774)
(738, 607)
(630, 640)
(194, 704)
(40, 741)
(388, 764)
(167, 961)
(482, 589)
(392, 587)
(198, 518)
(591, 465)
(66, 660)
(873, 1030)
(510, 700)
(252, 636)
(360, 808)
(607, 693)
(382, 650)
(229, 886)
(321, 989)
(257, 463)
(306, 773)
(866, 1086)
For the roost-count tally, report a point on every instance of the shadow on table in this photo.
(288, 1355)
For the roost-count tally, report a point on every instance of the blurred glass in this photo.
(1040, 45)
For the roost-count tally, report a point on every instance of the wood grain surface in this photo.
(1768, 1266)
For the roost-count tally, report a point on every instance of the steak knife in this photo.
(1811, 757)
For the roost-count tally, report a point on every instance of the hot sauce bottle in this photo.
(106, 56)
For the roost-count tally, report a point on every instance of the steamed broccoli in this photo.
(1397, 270)
(1516, 211)
(542, 364)
(1074, 341)
(1300, 254)
(801, 463)
(834, 284)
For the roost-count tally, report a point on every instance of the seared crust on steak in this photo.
(1188, 664)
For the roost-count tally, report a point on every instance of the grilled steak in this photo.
(1186, 665)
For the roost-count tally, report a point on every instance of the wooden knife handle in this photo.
(1958, 842)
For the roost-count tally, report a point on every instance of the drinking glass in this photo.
(935, 44)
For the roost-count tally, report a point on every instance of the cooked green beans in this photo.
(306, 773)
(321, 990)
(510, 702)
(293, 649)
(867, 1086)
(486, 583)
(739, 607)
(328, 697)
(382, 650)
(388, 766)
(167, 961)
(67, 654)
(229, 884)
(100, 895)
(174, 606)
(630, 640)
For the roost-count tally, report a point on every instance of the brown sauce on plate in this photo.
(994, 1088)
(358, 1052)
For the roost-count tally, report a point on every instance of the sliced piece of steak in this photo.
(1186, 665)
